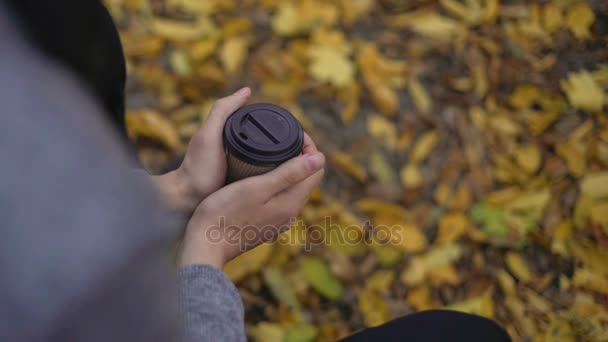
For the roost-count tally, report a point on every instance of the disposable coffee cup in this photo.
(260, 137)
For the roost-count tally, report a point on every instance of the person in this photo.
(86, 240)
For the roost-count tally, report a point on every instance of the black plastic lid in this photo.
(263, 134)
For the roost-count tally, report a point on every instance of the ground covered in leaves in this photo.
(475, 129)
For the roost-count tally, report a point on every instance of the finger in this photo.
(298, 195)
(309, 145)
(224, 107)
(290, 173)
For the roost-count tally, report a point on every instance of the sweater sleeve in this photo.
(211, 305)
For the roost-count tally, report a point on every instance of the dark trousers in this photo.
(435, 325)
(80, 35)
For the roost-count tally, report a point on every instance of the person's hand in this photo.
(246, 213)
(203, 170)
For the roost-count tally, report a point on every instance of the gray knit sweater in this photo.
(85, 250)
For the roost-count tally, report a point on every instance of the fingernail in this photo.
(241, 92)
(313, 161)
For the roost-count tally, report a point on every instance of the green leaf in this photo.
(301, 333)
(493, 221)
(280, 288)
(320, 278)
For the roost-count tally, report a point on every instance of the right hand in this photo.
(251, 211)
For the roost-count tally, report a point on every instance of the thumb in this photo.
(224, 107)
(291, 172)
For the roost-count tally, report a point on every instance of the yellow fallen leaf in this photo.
(151, 124)
(373, 309)
(420, 298)
(423, 146)
(444, 275)
(382, 76)
(267, 332)
(599, 215)
(587, 279)
(333, 39)
(524, 213)
(183, 31)
(286, 21)
(471, 13)
(461, 199)
(200, 7)
(380, 168)
(411, 177)
(202, 49)
(233, 53)
(518, 312)
(574, 155)
(434, 26)
(594, 258)
(384, 98)
(380, 281)
(301, 332)
(354, 9)
(319, 276)
(595, 185)
(419, 95)
(583, 91)
(249, 262)
(180, 63)
(553, 18)
(331, 65)
(524, 96)
(375, 207)
(349, 96)
(382, 130)
(506, 282)
(528, 157)
(344, 162)
(407, 237)
(561, 238)
(387, 255)
(293, 18)
(439, 257)
(518, 266)
(452, 227)
(492, 10)
(482, 305)
(579, 19)
(236, 26)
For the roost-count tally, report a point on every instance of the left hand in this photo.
(203, 170)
